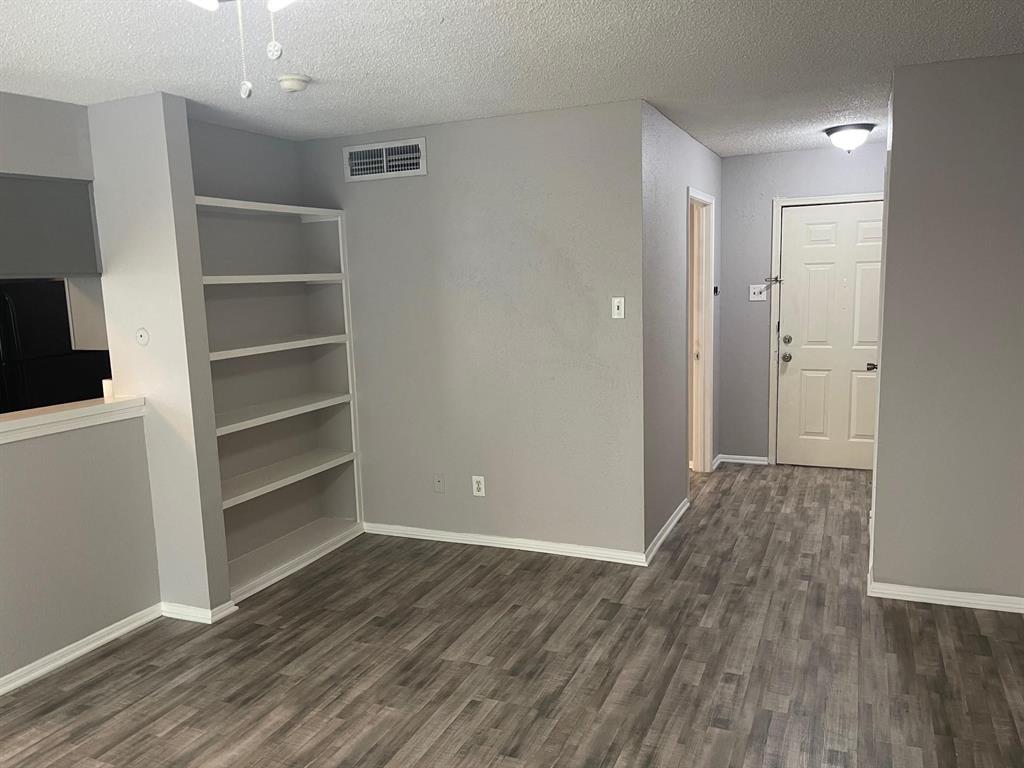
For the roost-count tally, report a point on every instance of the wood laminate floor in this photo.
(748, 642)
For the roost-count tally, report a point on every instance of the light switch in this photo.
(759, 292)
(618, 307)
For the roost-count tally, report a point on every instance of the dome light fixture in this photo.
(293, 83)
(849, 137)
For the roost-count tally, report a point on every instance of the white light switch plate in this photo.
(759, 292)
(618, 307)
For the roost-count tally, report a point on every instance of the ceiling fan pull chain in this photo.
(274, 48)
(245, 89)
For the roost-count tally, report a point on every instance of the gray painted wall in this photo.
(749, 185)
(76, 555)
(152, 278)
(240, 165)
(45, 138)
(949, 504)
(32, 244)
(39, 137)
(482, 325)
(672, 162)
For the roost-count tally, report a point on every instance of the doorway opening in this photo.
(826, 283)
(701, 321)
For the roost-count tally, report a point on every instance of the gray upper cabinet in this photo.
(46, 228)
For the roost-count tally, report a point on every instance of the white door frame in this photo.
(703, 396)
(778, 205)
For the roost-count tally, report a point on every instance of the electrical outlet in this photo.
(478, 485)
(438, 483)
(618, 307)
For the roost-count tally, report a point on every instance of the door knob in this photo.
(786, 357)
(787, 339)
(871, 367)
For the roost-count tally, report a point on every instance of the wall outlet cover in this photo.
(478, 486)
(758, 292)
(438, 483)
(618, 307)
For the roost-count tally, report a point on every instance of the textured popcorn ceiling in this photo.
(743, 76)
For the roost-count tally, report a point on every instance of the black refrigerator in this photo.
(38, 365)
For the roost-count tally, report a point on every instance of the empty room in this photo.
(511, 384)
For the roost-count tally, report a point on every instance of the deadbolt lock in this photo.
(786, 357)
(787, 339)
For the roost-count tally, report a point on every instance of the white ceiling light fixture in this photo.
(849, 137)
(277, 5)
(290, 83)
(293, 83)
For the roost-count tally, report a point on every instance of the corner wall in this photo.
(482, 326)
(152, 278)
(672, 163)
(750, 183)
(949, 493)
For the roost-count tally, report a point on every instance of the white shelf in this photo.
(294, 342)
(248, 206)
(282, 557)
(238, 419)
(318, 277)
(263, 480)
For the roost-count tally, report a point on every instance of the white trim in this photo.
(728, 458)
(704, 394)
(985, 602)
(302, 277)
(198, 615)
(350, 355)
(69, 653)
(250, 206)
(871, 530)
(37, 422)
(778, 204)
(655, 545)
(274, 575)
(505, 542)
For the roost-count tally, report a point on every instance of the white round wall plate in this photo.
(274, 50)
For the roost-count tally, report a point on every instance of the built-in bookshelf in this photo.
(278, 325)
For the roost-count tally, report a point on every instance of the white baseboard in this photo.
(1006, 603)
(504, 542)
(198, 615)
(655, 545)
(69, 653)
(728, 458)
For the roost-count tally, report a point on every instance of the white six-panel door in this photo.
(829, 304)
